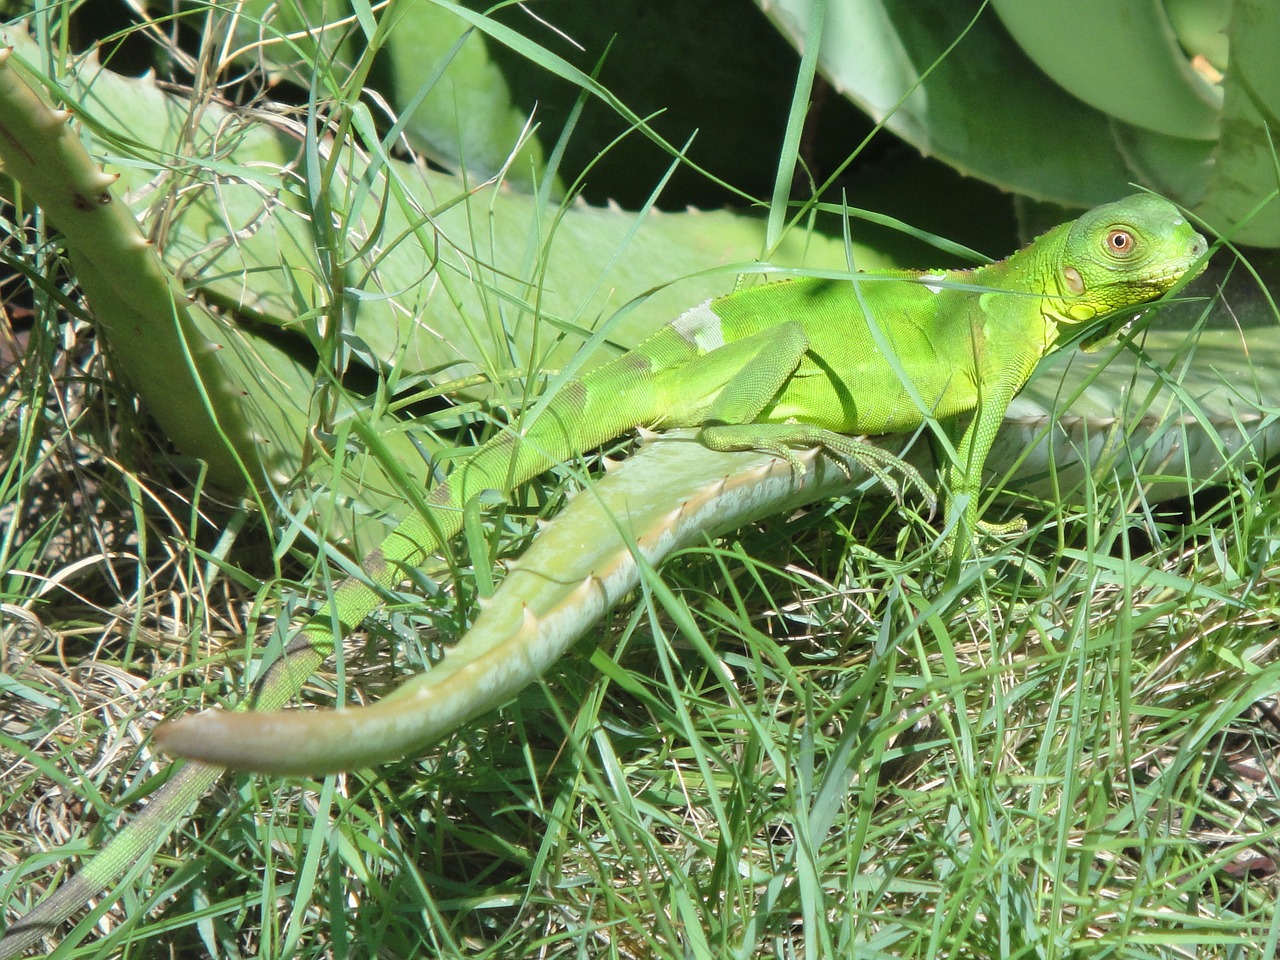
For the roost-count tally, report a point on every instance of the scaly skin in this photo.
(786, 365)
(793, 364)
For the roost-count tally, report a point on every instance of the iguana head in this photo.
(1124, 254)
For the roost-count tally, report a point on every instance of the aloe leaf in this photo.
(1162, 99)
(1148, 80)
(1247, 168)
(1202, 27)
(1172, 166)
(241, 234)
(452, 101)
(144, 313)
(1193, 392)
(462, 116)
(979, 106)
(224, 200)
(241, 403)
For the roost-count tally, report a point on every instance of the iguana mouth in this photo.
(1163, 282)
(1170, 277)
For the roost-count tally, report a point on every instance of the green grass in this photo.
(828, 767)
(783, 746)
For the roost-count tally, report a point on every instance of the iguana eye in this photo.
(1120, 242)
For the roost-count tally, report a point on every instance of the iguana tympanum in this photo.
(799, 363)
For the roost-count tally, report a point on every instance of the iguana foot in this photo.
(999, 531)
(783, 439)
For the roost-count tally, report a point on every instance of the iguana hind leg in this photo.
(749, 374)
(783, 439)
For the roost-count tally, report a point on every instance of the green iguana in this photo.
(799, 363)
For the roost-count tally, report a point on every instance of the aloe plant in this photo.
(1071, 102)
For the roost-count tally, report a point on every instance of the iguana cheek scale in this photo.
(795, 364)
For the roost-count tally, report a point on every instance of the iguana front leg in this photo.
(962, 476)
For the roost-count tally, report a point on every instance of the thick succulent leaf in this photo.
(453, 102)
(1247, 168)
(1202, 27)
(1227, 180)
(462, 114)
(981, 107)
(1135, 70)
(143, 312)
(1196, 387)
(1132, 106)
(241, 402)
(437, 279)
(1172, 166)
(443, 277)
